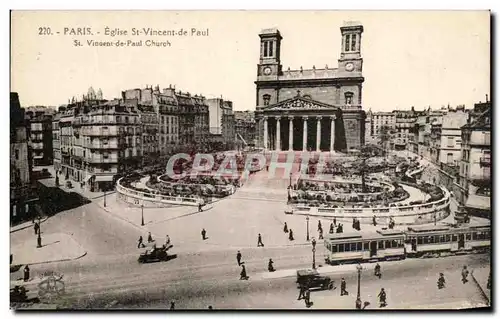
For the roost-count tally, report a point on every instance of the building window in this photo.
(449, 158)
(17, 154)
(353, 43)
(347, 42)
(450, 142)
(271, 43)
(268, 48)
(348, 98)
(266, 98)
(105, 155)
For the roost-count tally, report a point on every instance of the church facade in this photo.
(310, 109)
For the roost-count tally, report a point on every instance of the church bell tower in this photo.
(350, 56)
(270, 49)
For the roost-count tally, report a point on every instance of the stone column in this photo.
(304, 138)
(318, 133)
(278, 134)
(265, 133)
(290, 133)
(332, 133)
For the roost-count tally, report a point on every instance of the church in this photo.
(318, 109)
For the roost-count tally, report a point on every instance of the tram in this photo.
(362, 246)
(391, 244)
(428, 239)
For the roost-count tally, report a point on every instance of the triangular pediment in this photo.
(300, 103)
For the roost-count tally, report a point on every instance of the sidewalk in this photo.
(55, 247)
(480, 277)
(415, 292)
(25, 225)
(76, 185)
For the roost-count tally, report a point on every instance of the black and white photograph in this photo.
(250, 160)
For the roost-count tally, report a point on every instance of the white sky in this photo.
(417, 58)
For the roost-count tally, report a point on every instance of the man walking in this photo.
(26, 273)
(382, 298)
(203, 234)
(140, 244)
(243, 273)
(343, 290)
(259, 241)
(285, 228)
(465, 273)
(37, 228)
(150, 238)
(238, 258)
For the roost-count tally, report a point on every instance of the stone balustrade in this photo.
(411, 214)
(138, 198)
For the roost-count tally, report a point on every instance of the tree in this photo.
(385, 136)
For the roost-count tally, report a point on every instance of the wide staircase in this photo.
(270, 184)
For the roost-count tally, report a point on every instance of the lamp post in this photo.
(104, 198)
(307, 220)
(142, 214)
(358, 298)
(314, 253)
(290, 184)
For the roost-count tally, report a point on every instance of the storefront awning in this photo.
(104, 178)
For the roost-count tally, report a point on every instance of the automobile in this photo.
(312, 279)
(156, 254)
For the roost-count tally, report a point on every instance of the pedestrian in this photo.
(441, 281)
(331, 228)
(374, 219)
(301, 292)
(243, 273)
(320, 234)
(270, 266)
(343, 290)
(307, 297)
(290, 235)
(150, 238)
(140, 244)
(36, 228)
(238, 258)
(465, 273)
(359, 225)
(354, 223)
(172, 305)
(382, 298)
(319, 225)
(335, 221)
(167, 241)
(285, 228)
(26, 273)
(200, 207)
(259, 241)
(203, 234)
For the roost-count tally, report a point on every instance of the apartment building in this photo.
(475, 165)
(451, 136)
(378, 120)
(222, 120)
(245, 127)
(40, 121)
(23, 196)
(100, 141)
(404, 125)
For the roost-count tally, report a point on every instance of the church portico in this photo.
(326, 114)
(300, 124)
